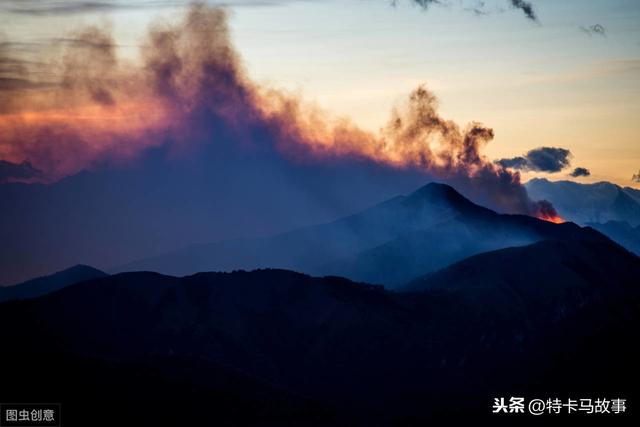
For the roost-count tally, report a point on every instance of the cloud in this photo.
(17, 171)
(422, 3)
(578, 172)
(69, 7)
(596, 29)
(478, 8)
(543, 159)
(526, 7)
(30, 7)
(48, 7)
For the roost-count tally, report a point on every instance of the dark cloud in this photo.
(596, 29)
(479, 8)
(514, 163)
(543, 159)
(636, 177)
(526, 7)
(422, 3)
(17, 171)
(577, 172)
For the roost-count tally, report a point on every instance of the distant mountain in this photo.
(46, 284)
(271, 347)
(621, 232)
(389, 243)
(163, 200)
(589, 203)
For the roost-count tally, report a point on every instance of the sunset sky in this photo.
(569, 79)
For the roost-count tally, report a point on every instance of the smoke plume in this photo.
(191, 88)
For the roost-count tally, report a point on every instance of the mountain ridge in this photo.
(50, 283)
(352, 246)
(383, 357)
(589, 203)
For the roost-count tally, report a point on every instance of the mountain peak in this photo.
(437, 193)
(80, 268)
(434, 191)
(435, 187)
(47, 284)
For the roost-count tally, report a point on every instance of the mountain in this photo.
(606, 207)
(47, 284)
(589, 203)
(621, 232)
(388, 244)
(521, 276)
(271, 346)
(168, 198)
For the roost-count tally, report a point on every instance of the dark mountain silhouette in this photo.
(274, 347)
(388, 244)
(524, 274)
(46, 284)
(589, 203)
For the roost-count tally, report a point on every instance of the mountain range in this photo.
(609, 208)
(388, 244)
(275, 347)
(475, 305)
(589, 203)
(166, 207)
(164, 200)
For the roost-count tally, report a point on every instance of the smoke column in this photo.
(191, 88)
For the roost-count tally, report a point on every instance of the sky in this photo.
(558, 81)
